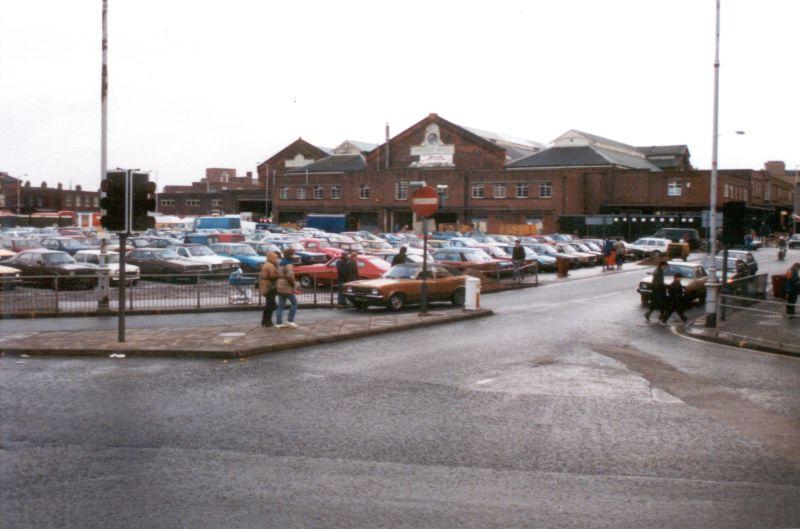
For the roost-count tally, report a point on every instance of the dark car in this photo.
(794, 241)
(19, 244)
(305, 255)
(54, 269)
(167, 261)
(689, 235)
(64, 244)
(743, 255)
(152, 242)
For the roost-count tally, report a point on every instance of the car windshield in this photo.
(164, 255)
(111, 258)
(242, 249)
(544, 248)
(57, 258)
(477, 256)
(567, 248)
(72, 244)
(402, 272)
(199, 251)
(641, 242)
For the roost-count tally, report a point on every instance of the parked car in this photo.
(389, 255)
(321, 246)
(92, 258)
(249, 260)
(64, 244)
(166, 261)
(220, 265)
(649, 247)
(550, 250)
(586, 259)
(6, 254)
(689, 235)
(19, 244)
(794, 241)
(402, 286)
(694, 279)
(42, 265)
(152, 242)
(746, 256)
(369, 267)
(544, 261)
(473, 258)
(304, 255)
(462, 242)
(9, 278)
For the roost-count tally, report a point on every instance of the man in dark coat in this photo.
(676, 299)
(400, 258)
(659, 292)
(518, 258)
(341, 277)
(792, 288)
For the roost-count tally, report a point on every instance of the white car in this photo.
(92, 257)
(649, 246)
(198, 252)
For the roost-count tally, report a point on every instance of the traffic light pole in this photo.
(424, 289)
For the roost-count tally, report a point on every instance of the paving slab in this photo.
(228, 341)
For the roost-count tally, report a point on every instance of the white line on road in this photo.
(485, 381)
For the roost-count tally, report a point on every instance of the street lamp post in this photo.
(795, 199)
(713, 287)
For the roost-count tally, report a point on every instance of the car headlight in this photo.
(375, 292)
(349, 290)
(643, 286)
(116, 272)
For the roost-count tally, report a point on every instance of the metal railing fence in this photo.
(758, 321)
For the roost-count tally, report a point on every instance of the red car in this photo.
(318, 245)
(369, 267)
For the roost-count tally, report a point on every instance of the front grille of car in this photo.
(362, 290)
(218, 266)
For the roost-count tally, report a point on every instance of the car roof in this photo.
(40, 250)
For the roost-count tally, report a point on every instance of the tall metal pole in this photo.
(104, 96)
(424, 289)
(796, 197)
(713, 287)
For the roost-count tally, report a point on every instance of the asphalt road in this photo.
(566, 409)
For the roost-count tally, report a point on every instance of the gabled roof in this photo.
(516, 148)
(435, 118)
(361, 146)
(581, 156)
(336, 163)
(299, 143)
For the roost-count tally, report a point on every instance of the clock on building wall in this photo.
(433, 139)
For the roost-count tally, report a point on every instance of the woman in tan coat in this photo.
(285, 288)
(267, 283)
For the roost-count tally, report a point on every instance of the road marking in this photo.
(485, 381)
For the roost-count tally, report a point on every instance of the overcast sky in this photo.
(196, 84)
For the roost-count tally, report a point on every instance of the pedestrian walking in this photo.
(400, 258)
(619, 249)
(608, 247)
(267, 283)
(352, 268)
(792, 289)
(518, 259)
(341, 277)
(658, 293)
(675, 300)
(286, 290)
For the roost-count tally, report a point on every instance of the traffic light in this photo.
(143, 201)
(112, 201)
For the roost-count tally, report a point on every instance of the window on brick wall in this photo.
(522, 190)
(401, 190)
(499, 191)
(477, 190)
(545, 189)
(69, 201)
(318, 193)
(301, 193)
(96, 201)
(363, 191)
(192, 201)
(336, 191)
(216, 202)
(674, 188)
(167, 202)
(284, 194)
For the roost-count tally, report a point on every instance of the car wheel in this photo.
(656, 254)
(458, 297)
(396, 302)
(306, 281)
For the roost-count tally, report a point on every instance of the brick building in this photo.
(488, 179)
(19, 197)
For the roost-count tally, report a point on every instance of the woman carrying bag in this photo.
(268, 278)
(285, 288)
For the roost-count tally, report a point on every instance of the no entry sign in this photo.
(425, 201)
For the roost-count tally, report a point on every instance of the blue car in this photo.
(244, 253)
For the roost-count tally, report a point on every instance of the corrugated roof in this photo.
(336, 163)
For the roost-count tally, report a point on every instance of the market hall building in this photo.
(487, 180)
